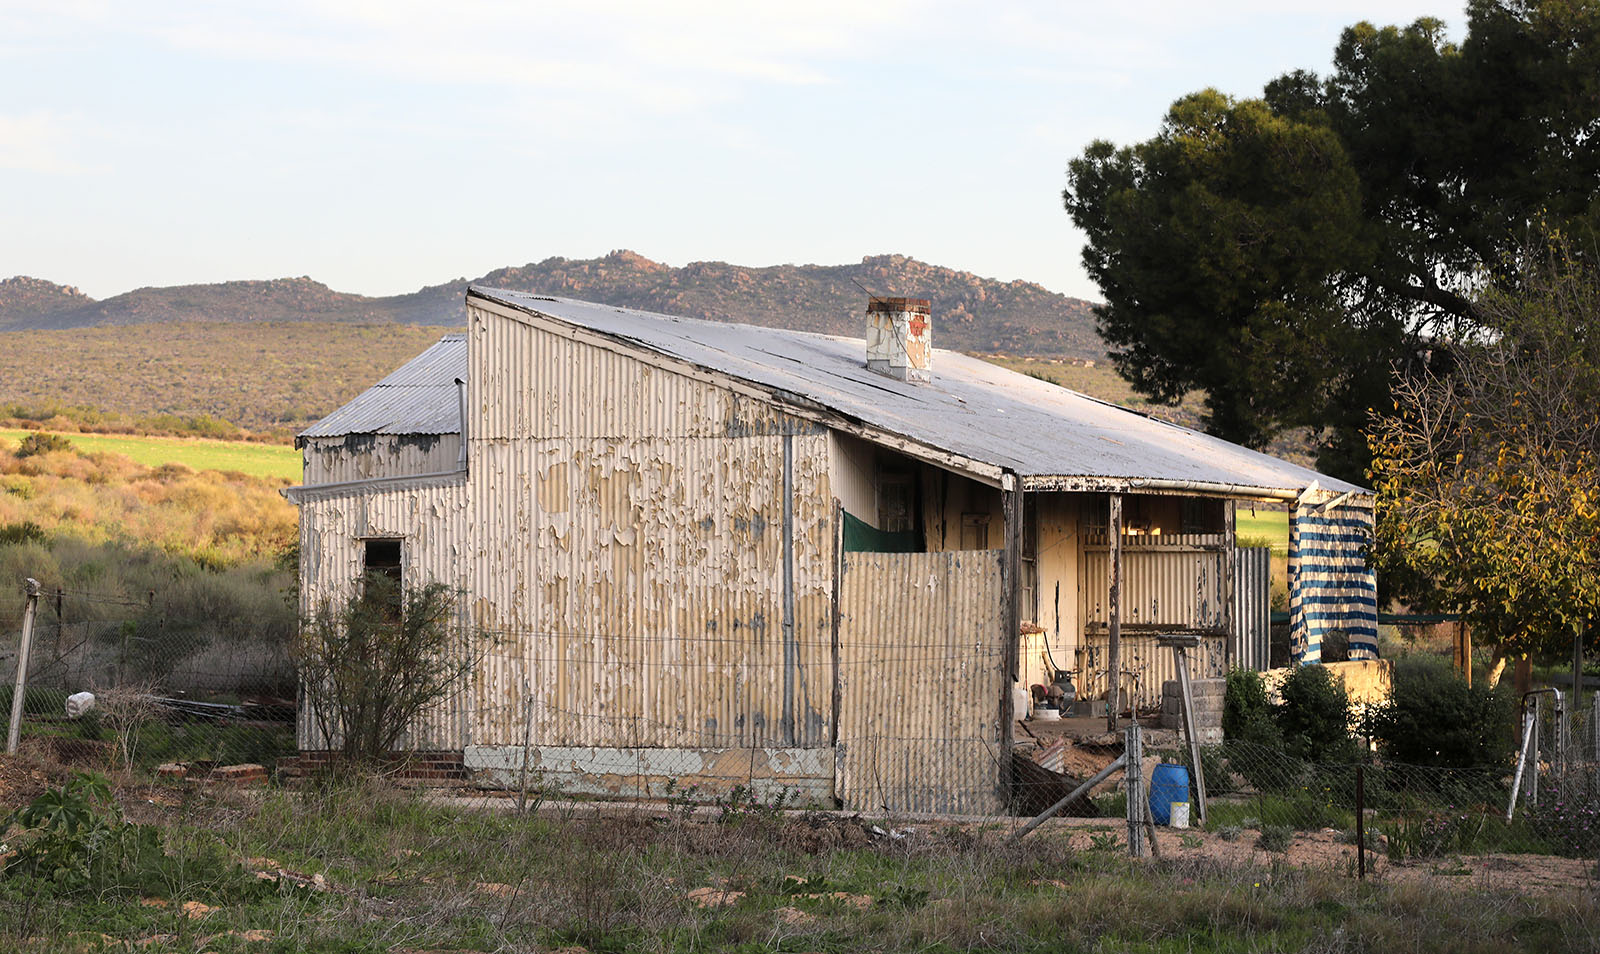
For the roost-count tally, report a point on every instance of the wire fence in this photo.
(114, 683)
(174, 696)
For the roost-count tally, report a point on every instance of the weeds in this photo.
(400, 870)
(1275, 838)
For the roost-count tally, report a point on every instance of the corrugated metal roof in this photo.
(419, 397)
(972, 408)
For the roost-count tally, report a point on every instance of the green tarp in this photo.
(862, 537)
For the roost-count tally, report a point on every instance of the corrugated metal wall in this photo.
(433, 524)
(632, 564)
(1176, 581)
(920, 654)
(332, 460)
(1252, 608)
(1153, 664)
(1174, 584)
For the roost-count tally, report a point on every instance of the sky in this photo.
(383, 145)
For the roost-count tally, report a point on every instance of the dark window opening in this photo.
(381, 572)
(1201, 515)
(974, 531)
(897, 503)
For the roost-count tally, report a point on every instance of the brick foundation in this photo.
(411, 766)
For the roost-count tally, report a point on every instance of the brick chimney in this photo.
(900, 338)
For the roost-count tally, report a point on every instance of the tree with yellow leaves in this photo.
(1488, 477)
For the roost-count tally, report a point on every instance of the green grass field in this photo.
(258, 460)
(1271, 526)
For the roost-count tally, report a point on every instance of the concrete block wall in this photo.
(1208, 695)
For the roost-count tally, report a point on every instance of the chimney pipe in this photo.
(461, 403)
(900, 338)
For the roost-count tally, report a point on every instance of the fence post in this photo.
(527, 746)
(1361, 822)
(1133, 771)
(20, 690)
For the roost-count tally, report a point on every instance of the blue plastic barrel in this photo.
(1168, 783)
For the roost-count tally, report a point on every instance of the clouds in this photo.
(343, 138)
(41, 142)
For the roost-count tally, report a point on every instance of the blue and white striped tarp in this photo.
(1331, 585)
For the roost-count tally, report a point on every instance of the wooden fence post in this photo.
(20, 690)
(1133, 771)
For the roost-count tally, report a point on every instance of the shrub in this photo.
(1434, 718)
(40, 442)
(1254, 741)
(1569, 828)
(1275, 838)
(26, 531)
(370, 666)
(1430, 835)
(1315, 716)
(1244, 704)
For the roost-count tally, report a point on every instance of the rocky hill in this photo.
(970, 313)
(24, 296)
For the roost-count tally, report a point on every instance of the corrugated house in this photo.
(711, 554)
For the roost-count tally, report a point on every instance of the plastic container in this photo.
(1169, 783)
(1180, 814)
(1021, 702)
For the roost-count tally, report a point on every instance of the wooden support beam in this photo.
(1011, 572)
(1186, 688)
(1114, 613)
(1230, 580)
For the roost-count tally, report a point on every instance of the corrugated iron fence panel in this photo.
(1177, 582)
(1141, 656)
(1174, 585)
(920, 656)
(1252, 614)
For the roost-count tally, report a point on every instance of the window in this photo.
(897, 503)
(381, 566)
(1200, 515)
(974, 531)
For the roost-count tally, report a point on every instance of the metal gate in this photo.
(920, 682)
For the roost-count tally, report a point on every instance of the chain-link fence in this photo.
(130, 685)
(197, 696)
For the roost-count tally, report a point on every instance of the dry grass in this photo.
(222, 517)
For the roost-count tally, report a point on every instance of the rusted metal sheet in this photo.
(433, 527)
(630, 562)
(332, 460)
(921, 658)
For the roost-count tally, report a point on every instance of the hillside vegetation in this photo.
(272, 377)
(212, 549)
(970, 313)
(216, 517)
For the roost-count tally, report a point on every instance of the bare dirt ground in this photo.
(1324, 850)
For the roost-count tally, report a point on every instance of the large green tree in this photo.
(1283, 254)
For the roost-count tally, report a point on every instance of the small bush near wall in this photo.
(1434, 718)
(1244, 706)
(1315, 716)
